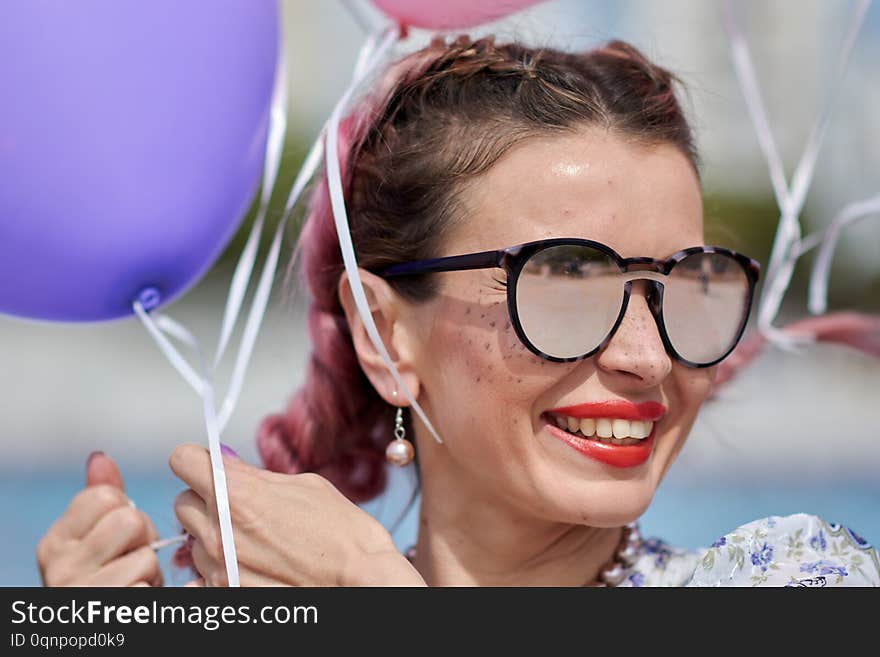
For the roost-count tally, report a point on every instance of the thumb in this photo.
(101, 469)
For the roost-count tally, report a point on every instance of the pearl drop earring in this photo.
(400, 451)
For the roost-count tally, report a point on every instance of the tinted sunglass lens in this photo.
(568, 298)
(705, 300)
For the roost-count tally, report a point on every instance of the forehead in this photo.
(641, 200)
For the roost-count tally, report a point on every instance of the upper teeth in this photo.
(606, 427)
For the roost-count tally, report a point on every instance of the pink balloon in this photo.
(450, 14)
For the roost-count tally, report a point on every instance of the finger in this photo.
(101, 469)
(199, 582)
(192, 464)
(140, 565)
(118, 532)
(138, 584)
(87, 508)
(152, 532)
(198, 521)
(211, 570)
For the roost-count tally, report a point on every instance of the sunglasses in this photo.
(567, 296)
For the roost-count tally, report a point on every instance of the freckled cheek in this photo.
(474, 354)
(479, 348)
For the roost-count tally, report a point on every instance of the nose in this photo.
(635, 353)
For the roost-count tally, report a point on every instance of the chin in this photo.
(598, 503)
(599, 485)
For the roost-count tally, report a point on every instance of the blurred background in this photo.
(796, 432)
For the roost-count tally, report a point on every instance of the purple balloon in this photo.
(132, 137)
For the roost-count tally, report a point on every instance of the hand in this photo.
(101, 539)
(289, 530)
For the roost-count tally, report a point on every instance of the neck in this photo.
(470, 538)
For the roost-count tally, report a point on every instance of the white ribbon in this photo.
(203, 381)
(196, 381)
(340, 217)
(245, 265)
(790, 199)
(849, 215)
(165, 542)
(264, 288)
(206, 392)
(160, 326)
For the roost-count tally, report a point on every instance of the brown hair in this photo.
(444, 115)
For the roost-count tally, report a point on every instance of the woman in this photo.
(564, 375)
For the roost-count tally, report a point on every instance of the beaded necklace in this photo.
(618, 567)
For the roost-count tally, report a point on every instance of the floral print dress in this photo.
(795, 550)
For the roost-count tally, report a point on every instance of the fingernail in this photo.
(93, 455)
(228, 451)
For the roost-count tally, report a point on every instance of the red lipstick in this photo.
(619, 456)
(617, 408)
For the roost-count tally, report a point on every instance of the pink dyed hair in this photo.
(405, 152)
(318, 432)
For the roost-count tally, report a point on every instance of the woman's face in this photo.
(488, 396)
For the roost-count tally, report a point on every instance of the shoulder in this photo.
(661, 564)
(795, 550)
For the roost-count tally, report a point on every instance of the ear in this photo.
(387, 310)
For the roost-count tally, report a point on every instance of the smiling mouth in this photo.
(617, 431)
(613, 441)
